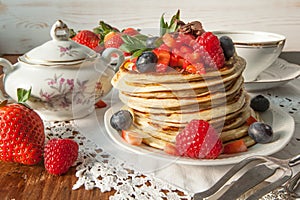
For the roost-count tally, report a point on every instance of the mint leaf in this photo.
(139, 52)
(132, 44)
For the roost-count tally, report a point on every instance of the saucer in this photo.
(279, 73)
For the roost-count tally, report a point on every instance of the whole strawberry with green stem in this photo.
(22, 134)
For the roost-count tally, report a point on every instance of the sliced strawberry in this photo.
(185, 38)
(169, 40)
(164, 47)
(100, 104)
(186, 50)
(250, 120)
(163, 60)
(236, 146)
(163, 56)
(131, 137)
(171, 149)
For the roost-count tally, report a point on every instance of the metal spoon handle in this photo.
(294, 160)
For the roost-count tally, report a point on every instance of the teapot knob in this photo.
(59, 31)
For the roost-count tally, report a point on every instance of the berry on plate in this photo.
(260, 103)
(199, 140)
(227, 46)
(146, 62)
(22, 134)
(59, 155)
(121, 120)
(261, 132)
(236, 146)
(131, 137)
(250, 120)
(212, 46)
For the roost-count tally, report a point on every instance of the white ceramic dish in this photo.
(278, 74)
(282, 123)
(260, 49)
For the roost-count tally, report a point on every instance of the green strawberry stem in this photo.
(23, 95)
(103, 29)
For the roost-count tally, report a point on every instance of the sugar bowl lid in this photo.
(59, 50)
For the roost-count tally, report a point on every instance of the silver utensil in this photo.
(265, 167)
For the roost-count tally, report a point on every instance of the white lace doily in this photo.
(98, 169)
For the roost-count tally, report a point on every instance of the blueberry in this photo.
(260, 103)
(146, 62)
(227, 46)
(153, 42)
(260, 132)
(121, 120)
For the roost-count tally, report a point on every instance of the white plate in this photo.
(279, 73)
(281, 122)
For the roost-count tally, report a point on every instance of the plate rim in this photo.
(197, 162)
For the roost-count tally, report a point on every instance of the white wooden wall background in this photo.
(25, 24)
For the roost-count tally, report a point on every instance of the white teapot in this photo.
(66, 78)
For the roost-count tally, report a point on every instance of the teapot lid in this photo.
(60, 50)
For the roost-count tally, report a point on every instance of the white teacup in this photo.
(260, 49)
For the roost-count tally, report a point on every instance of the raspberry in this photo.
(211, 45)
(199, 140)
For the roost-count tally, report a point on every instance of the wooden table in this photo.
(33, 182)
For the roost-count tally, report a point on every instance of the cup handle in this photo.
(107, 54)
(7, 68)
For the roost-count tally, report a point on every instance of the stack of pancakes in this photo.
(164, 103)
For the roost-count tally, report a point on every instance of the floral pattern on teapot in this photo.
(65, 92)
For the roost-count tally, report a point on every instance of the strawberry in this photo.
(21, 135)
(59, 155)
(250, 120)
(197, 68)
(113, 40)
(171, 149)
(131, 137)
(100, 104)
(199, 140)
(130, 31)
(211, 44)
(87, 38)
(169, 40)
(176, 60)
(235, 147)
(163, 60)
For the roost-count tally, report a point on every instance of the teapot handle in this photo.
(7, 68)
(107, 54)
